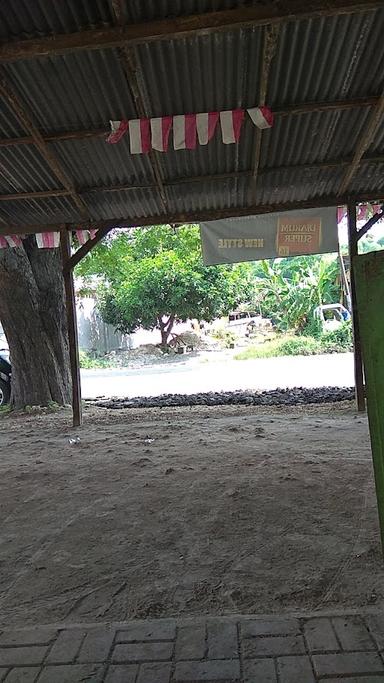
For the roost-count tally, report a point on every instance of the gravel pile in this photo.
(214, 398)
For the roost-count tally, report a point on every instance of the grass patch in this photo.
(89, 363)
(338, 341)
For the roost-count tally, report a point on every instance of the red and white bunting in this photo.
(147, 134)
(160, 129)
(341, 211)
(184, 131)
(139, 136)
(48, 240)
(82, 236)
(231, 122)
(206, 126)
(262, 117)
(10, 241)
(118, 130)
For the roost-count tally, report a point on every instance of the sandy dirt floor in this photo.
(186, 511)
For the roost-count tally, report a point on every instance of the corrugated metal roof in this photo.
(321, 59)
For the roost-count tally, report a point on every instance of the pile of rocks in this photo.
(277, 397)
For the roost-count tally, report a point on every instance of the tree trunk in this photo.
(32, 312)
(165, 329)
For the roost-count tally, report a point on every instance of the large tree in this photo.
(32, 312)
(155, 276)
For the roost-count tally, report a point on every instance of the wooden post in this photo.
(65, 245)
(369, 275)
(358, 362)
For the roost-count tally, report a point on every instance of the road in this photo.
(194, 375)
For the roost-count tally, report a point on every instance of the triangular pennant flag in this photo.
(48, 240)
(262, 117)
(118, 130)
(184, 131)
(160, 129)
(206, 126)
(139, 136)
(231, 122)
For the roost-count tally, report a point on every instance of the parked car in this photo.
(332, 316)
(5, 378)
(244, 322)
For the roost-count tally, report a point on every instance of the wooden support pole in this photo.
(70, 301)
(358, 362)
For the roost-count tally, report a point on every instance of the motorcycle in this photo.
(5, 378)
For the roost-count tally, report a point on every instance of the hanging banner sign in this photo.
(271, 235)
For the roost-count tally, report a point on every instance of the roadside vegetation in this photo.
(154, 277)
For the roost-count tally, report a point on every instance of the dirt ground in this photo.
(186, 511)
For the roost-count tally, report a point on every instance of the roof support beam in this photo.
(271, 36)
(180, 27)
(207, 215)
(290, 110)
(130, 66)
(370, 223)
(375, 119)
(23, 117)
(177, 182)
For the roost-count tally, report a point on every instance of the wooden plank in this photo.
(375, 118)
(86, 248)
(70, 301)
(181, 27)
(369, 272)
(289, 110)
(23, 116)
(358, 361)
(368, 225)
(177, 182)
(271, 36)
(198, 216)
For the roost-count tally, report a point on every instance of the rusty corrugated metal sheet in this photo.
(319, 59)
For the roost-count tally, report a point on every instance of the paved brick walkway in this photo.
(219, 650)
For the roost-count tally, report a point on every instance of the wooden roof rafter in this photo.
(203, 215)
(181, 27)
(25, 120)
(178, 182)
(131, 68)
(289, 110)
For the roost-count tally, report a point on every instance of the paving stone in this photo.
(96, 645)
(353, 634)
(274, 647)
(295, 670)
(222, 640)
(142, 652)
(321, 636)
(190, 642)
(270, 627)
(360, 679)
(22, 656)
(72, 673)
(151, 673)
(376, 628)
(214, 671)
(122, 673)
(26, 674)
(33, 636)
(151, 630)
(347, 663)
(66, 647)
(260, 671)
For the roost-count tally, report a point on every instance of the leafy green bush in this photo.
(338, 341)
(299, 346)
(89, 363)
(226, 337)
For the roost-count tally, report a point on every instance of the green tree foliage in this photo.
(155, 276)
(288, 290)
